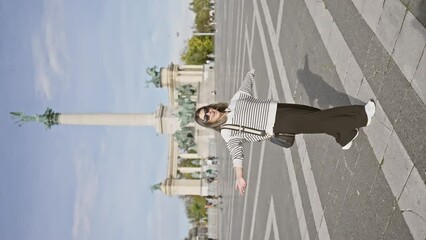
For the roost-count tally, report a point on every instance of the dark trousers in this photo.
(339, 122)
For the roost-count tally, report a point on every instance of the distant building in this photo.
(202, 78)
(163, 120)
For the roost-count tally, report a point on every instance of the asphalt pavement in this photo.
(328, 53)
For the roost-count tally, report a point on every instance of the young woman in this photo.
(265, 114)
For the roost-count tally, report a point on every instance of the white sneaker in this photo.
(370, 110)
(349, 145)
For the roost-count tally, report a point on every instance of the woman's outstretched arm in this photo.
(247, 84)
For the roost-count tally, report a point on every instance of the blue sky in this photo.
(78, 182)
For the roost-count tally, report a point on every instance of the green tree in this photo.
(197, 50)
(198, 5)
(195, 209)
(202, 10)
(202, 22)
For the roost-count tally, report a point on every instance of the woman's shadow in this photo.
(320, 93)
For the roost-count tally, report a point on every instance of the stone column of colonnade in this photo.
(189, 169)
(181, 187)
(190, 73)
(191, 67)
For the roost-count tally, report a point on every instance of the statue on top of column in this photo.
(156, 77)
(48, 118)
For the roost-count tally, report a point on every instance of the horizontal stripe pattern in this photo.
(249, 112)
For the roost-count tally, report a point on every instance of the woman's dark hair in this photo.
(215, 125)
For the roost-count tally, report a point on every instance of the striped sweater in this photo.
(248, 111)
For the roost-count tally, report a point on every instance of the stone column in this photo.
(191, 67)
(172, 187)
(189, 78)
(109, 119)
(189, 169)
(189, 156)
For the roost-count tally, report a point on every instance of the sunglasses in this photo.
(206, 117)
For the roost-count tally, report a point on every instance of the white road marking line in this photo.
(292, 175)
(271, 222)
(256, 195)
(239, 39)
(280, 17)
(249, 50)
(317, 211)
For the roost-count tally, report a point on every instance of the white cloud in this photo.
(86, 194)
(49, 51)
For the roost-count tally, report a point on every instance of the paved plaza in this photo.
(328, 53)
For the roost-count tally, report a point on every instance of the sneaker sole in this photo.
(370, 118)
(350, 142)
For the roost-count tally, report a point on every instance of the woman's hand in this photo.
(241, 185)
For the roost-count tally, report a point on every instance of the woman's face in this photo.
(210, 115)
